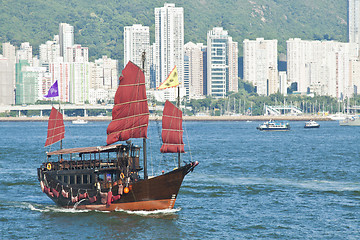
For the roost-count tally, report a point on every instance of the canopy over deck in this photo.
(98, 149)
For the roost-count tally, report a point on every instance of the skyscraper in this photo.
(50, 52)
(137, 41)
(66, 38)
(260, 65)
(193, 70)
(169, 41)
(222, 74)
(7, 74)
(321, 67)
(354, 21)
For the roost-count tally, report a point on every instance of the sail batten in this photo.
(138, 115)
(172, 132)
(130, 114)
(56, 128)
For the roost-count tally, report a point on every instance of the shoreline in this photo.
(185, 118)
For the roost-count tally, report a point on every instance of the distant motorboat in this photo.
(311, 124)
(274, 126)
(79, 121)
(350, 121)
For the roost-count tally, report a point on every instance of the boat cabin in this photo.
(86, 167)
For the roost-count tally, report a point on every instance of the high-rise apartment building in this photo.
(193, 70)
(66, 38)
(137, 42)
(354, 21)
(79, 82)
(9, 52)
(103, 79)
(7, 74)
(169, 44)
(77, 53)
(7, 96)
(50, 51)
(260, 65)
(25, 53)
(321, 67)
(233, 67)
(60, 71)
(222, 74)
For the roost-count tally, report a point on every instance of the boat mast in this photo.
(144, 139)
(60, 112)
(178, 105)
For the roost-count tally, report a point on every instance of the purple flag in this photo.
(53, 91)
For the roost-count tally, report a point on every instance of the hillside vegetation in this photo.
(99, 24)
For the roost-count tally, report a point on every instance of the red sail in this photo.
(130, 115)
(56, 127)
(172, 132)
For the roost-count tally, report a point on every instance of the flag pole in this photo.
(178, 103)
(144, 139)
(60, 112)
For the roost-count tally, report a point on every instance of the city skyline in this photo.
(263, 88)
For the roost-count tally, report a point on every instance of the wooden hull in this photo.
(155, 193)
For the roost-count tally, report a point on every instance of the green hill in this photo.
(99, 24)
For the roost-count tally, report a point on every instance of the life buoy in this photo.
(48, 166)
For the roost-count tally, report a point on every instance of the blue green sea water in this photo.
(301, 184)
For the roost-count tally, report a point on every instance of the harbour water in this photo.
(301, 184)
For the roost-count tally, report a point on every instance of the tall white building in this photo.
(233, 67)
(321, 67)
(79, 82)
(60, 71)
(103, 79)
(222, 74)
(354, 21)
(260, 65)
(193, 70)
(7, 74)
(283, 83)
(66, 38)
(50, 52)
(137, 41)
(77, 53)
(7, 96)
(9, 52)
(169, 44)
(25, 53)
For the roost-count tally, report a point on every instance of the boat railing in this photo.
(133, 162)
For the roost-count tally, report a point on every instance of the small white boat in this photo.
(79, 121)
(311, 124)
(274, 126)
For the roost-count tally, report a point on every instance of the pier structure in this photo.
(282, 110)
(64, 107)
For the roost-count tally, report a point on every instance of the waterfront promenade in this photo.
(186, 118)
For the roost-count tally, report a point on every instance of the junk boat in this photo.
(108, 178)
(311, 124)
(274, 126)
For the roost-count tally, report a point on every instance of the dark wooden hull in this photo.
(150, 194)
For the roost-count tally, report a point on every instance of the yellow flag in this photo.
(171, 81)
